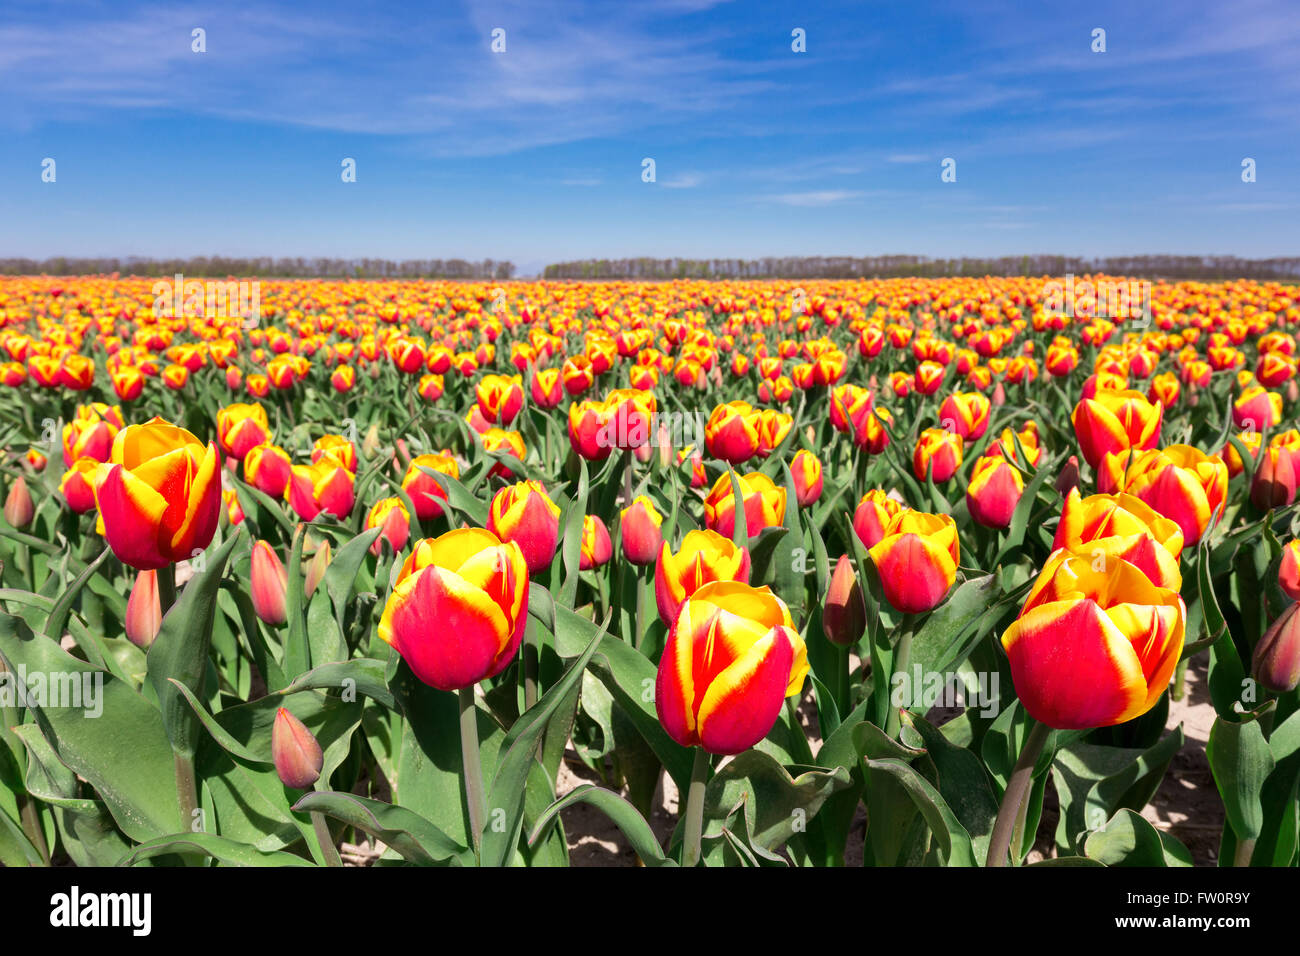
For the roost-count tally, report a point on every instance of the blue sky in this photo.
(535, 154)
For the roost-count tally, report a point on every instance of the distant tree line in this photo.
(221, 266)
(848, 267)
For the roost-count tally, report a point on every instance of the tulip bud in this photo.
(844, 617)
(19, 509)
(295, 751)
(1277, 655)
(1068, 479)
(143, 610)
(596, 548)
(268, 582)
(1274, 484)
(316, 569)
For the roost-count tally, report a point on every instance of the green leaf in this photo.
(954, 842)
(366, 673)
(1241, 761)
(1127, 839)
(221, 849)
(411, 835)
(623, 815)
(180, 651)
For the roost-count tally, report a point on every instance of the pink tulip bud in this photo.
(1277, 655)
(268, 582)
(143, 610)
(844, 618)
(295, 751)
(19, 509)
(316, 569)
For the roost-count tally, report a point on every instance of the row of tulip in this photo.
(404, 635)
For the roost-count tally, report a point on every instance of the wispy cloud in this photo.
(814, 198)
(683, 181)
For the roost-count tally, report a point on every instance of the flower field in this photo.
(862, 569)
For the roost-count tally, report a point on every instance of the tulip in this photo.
(773, 426)
(323, 486)
(1122, 527)
(1274, 482)
(763, 503)
(596, 547)
(849, 405)
(91, 432)
(143, 610)
(19, 509)
(546, 389)
(1288, 574)
(500, 398)
(731, 433)
(1094, 647)
(872, 516)
(498, 441)
(1276, 662)
(337, 448)
(431, 387)
(994, 492)
(242, 427)
(1115, 421)
(844, 616)
(390, 515)
(704, 556)
(917, 560)
(159, 496)
(1256, 409)
(268, 584)
(268, 469)
(78, 485)
(523, 514)
(639, 531)
(938, 453)
(295, 751)
(806, 470)
(1181, 483)
(1230, 456)
(458, 610)
(731, 659)
(422, 488)
(966, 414)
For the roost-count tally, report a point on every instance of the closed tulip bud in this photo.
(639, 531)
(458, 610)
(1068, 479)
(704, 556)
(159, 496)
(806, 470)
(731, 659)
(731, 433)
(316, 569)
(994, 492)
(917, 560)
(844, 617)
(763, 502)
(1095, 644)
(423, 488)
(1277, 655)
(78, 485)
(966, 413)
(596, 548)
(1288, 575)
(268, 584)
(1274, 482)
(295, 751)
(524, 514)
(143, 610)
(268, 469)
(19, 509)
(36, 459)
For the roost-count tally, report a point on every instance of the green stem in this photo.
(1245, 850)
(166, 588)
(187, 792)
(902, 660)
(474, 793)
(31, 819)
(640, 610)
(324, 840)
(1180, 680)
(532, 654)
(1009, 813)
(695, 808)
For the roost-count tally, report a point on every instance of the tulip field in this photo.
(881, 572)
